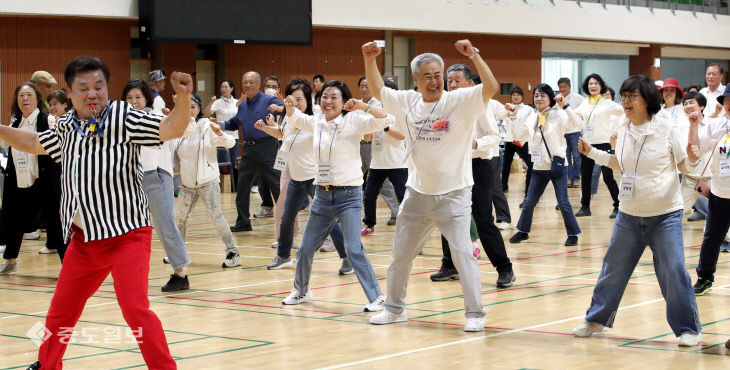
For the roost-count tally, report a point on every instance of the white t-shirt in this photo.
(711, 99)
(715, 137)
(158, 104)
(575, 101)
(439, 135)
(486, 136)
(225, 109)
(387, 151)
(337, 142)
(656, 186)
(298, 144)
(598, 120)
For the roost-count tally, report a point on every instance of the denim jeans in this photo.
(343, 204)
(376, 178)
(540, 180)
(296, 193)
(157, 185)
(573, 155)
(631, 234)
(718, 222)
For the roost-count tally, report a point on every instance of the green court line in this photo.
(699, 350)
(201, 355)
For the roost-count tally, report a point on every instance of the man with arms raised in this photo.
(438, 127)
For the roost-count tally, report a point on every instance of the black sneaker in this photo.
(614, 213)
(557, 207)
(702, 286)
(505, 279)
(445, 274)
(571, 241)
(522, 205)
(518, 237)
(34, 366)
(176, 283)
(583, 211)
(238, 229)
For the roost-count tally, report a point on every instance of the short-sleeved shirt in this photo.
(440, 134)
(101, 175)
(250, 111)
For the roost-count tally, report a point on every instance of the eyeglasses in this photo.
(629, 97)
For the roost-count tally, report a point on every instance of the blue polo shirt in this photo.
(250, 111)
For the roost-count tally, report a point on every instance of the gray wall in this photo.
(613, 71)
(687, 71)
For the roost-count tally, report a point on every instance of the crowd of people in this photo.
(96, 169)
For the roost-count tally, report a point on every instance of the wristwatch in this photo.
(566, 106)
(386, 129)
(476, 51)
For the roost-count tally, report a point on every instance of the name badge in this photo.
(324, 173)
(21, 158)
(724, 165)
(282, 159)
(535, 154)
(378, 141)
(588, 131)
(628, 184)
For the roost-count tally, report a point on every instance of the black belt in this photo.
(332, 187)
(257, 141)
(364, 142)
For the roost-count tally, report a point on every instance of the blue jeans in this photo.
(343, 204)
(573, 155)
(539, 182)
(158, 186)
(631, 234)
(296, 194)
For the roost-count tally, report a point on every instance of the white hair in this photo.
(425, 58)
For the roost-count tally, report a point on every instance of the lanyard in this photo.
(319, 146)
(623, 144)
(413, 141)
(590, 116)
(96, 131)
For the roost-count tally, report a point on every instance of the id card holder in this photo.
(724, 167)
(378, 141)
(535, 154)
(628, 184)
(22, 159)
(324, 173)
(588, 131)
(282, 159)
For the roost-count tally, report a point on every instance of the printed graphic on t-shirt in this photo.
(431, 130)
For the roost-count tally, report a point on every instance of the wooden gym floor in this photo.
(233, 318)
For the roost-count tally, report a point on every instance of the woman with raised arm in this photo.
(648, 152)
(336, 142)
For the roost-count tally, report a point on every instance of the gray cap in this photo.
(43, 77)
(157, 75)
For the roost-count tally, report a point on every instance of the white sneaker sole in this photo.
(374, 321)
(285, 264)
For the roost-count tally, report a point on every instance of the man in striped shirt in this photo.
(103, 208)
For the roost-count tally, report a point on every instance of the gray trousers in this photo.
(387, 192)
(451, 212)
(157, 185)
(211, 195)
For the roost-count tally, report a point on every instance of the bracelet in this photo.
(386, 129)
(474, 53)
(566, 106)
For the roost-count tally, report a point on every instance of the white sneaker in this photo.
(328, 246)
(254, 189)
(45, 250)
(375, 305)
(474, 324)
(504, 225)
(386, 317)
(2, 248)
(7, 268)
(586, 329)
(688, 339)
(232, 260)
(166, 260)
(32, 236)
(295, 298)
(275, 245)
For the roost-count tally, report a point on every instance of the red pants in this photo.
(85, 267)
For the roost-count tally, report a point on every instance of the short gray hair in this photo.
(425, 58)
(258, 75)
(461, 67)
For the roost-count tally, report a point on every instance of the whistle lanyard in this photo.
(623, 145)
(97, 131)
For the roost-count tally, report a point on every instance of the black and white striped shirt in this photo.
(101, 175)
